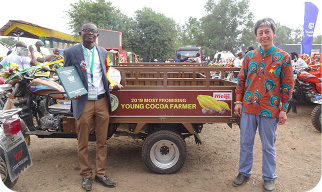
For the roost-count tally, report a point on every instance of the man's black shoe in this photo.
(105, 181)
(87, 184)
(240, 180)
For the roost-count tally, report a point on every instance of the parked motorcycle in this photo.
(307, 86)
(4, 90)
(14, 154)
(31, 95)
(45, 107)
(316, 113)
(307, 89)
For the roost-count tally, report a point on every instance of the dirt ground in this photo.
(208, 167)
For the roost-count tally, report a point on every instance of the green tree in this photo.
(297, 35)
(317, 39)
(101, 13)
(191, 33)
(283, 35)
(227, 26)
(247, 36)
(155, 34)
(10, 41)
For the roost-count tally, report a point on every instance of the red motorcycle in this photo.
(310, 80)
(307, 89)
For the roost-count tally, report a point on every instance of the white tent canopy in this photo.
(3, 50)
(223, 56)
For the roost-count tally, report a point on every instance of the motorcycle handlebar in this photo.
(46, 70)
(9, 113)
(27, 77)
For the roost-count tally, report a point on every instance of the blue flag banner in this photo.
(310, 16)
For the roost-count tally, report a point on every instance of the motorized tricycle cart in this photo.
(161, 103)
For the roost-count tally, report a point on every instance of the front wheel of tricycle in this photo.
(164, 152)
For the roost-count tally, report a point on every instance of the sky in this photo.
(52, 14)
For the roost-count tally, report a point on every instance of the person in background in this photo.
(58, 56)
(9, 52)
(218, 59)
(42, 58)
(20, 56)
(297, 61)
(197, 59)
(239, 60)
(249, 49)
(89, 61)
(56, 51)
(178, 58)
(264, 89)
(317, 58)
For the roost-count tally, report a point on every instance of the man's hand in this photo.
(9, 70)
(282, 118)
(238, 109)
(77, 97)
(31, 48)
(115, 87)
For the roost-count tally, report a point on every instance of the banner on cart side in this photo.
(172, 103)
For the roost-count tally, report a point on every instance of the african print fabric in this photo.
(265, 82)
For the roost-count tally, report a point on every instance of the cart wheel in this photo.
(164, 152)
(316, 118)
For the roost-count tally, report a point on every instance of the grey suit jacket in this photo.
(74, 56)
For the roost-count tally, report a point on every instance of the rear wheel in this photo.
(164, 152)
(316, 118)
(2, 102)
(4, 171)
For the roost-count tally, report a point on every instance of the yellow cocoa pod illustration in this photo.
(224, 105)
(200, 101)
(208, 102)
(201, 105)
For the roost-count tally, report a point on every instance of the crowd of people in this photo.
(24, 57)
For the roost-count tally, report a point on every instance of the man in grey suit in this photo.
(89, 61)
